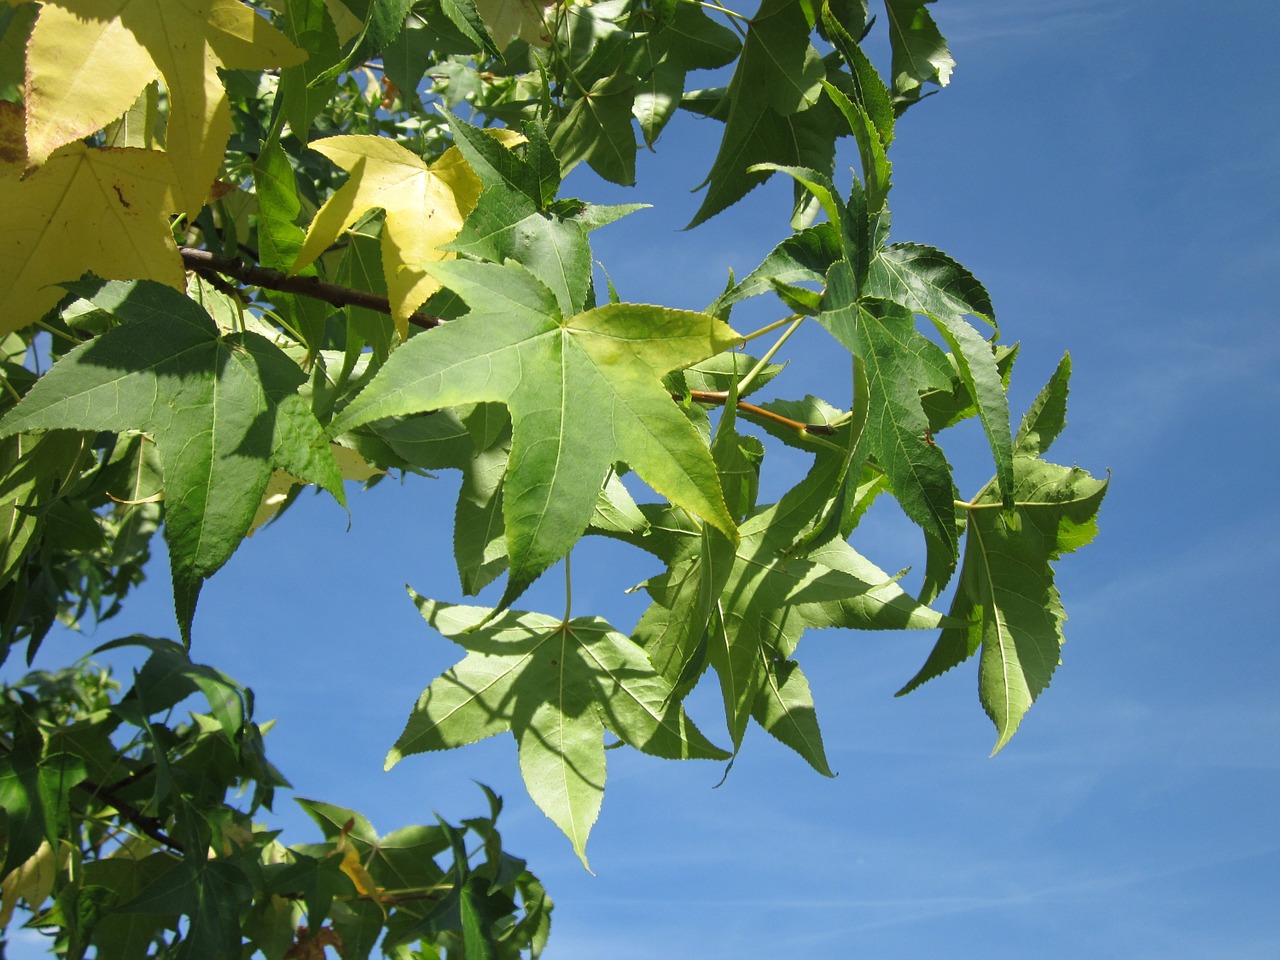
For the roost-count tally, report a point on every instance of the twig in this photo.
(152, 827)
(721, 397)
(203, 261)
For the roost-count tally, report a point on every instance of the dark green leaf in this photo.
(223, 413)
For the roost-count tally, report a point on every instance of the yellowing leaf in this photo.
(84, 210)
(345, 23)
(89, 59)
(425, 207)
(32, 881)
(508, 19)
(355, 870)
(13, 144)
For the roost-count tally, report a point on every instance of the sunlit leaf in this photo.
(556, 687)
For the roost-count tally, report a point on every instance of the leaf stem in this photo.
(568, 589)
(763, 361)
(769, 328)
(54, 331)
(725, 10)
(721, 397)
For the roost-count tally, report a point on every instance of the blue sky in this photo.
(1109, 171)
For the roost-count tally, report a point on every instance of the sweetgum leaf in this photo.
(776, 84)
(585, 392)
(556, 687)
(88, 60)
(900, 363)
(425, 205)
(929, 282)
(1047, 415)
(122, 191)
(784, 708)
(744, 609)
(1006, 595)
(223, 411)
(598, 130)
(920, 53)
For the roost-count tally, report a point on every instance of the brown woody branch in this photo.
(149, 825)
(204, 263)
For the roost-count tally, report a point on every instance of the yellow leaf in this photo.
(425, 207)
(88, 60)
(355, 870)
(32, 881)
(507, 19)
(84, 210)
(346, 23)
(352, 465)
(13, 144)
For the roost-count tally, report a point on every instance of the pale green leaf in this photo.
(556, 687)
(584, 392)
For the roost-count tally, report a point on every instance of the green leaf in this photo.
(804, 257)
(1006, 594)
(685, 40)
(598, 129)
(302, 94)
(920, 53)
(784, 708)
(900, 363)
(119, 934)
(280, 238)
(1047, 415)
(928, 282)
(210, 894)
(742, 610)
(776, 83)
(35, 790)
(556, 687)
(223, 412)
(585, 392)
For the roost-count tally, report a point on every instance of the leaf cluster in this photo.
(131, 830)
(304, 243)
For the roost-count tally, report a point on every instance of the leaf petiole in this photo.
(768, 328)
(763, 361)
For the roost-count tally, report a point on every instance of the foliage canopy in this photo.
(254, 247)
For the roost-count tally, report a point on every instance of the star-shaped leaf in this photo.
(1006, 594)
(584, 391)
(899, 363)
(556, 686)
(920, 53)
(223, 411)
(507, 19)
(929, 282)
(425, 205)
(778, 79)
(742, 611)
(84, 210)
(88, 60)
(676, 39)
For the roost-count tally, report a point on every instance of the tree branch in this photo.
(149, 825)
(203, 262)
